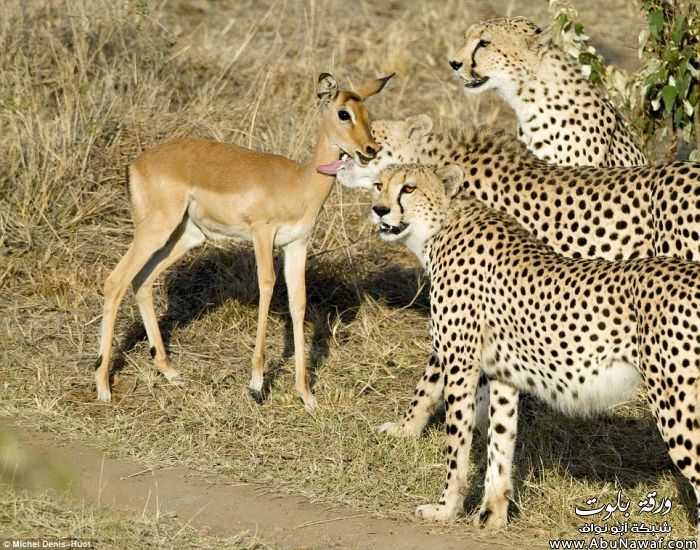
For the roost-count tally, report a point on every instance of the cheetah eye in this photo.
(483, 43)
(344, 115)
(408, 189)
(378, 185)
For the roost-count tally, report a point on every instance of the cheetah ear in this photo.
(418, 126)
(541, 37)
(327, 89)
(452, 177)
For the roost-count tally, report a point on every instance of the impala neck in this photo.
(318, 186)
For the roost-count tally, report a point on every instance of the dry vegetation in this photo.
(23, 515)
(84, 87)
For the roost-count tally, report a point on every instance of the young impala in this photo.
(185, 191)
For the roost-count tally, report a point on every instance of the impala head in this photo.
(346, 122)
(495, 53)
(411, 201)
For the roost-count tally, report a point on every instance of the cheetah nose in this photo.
(456, 65)
(381, 210)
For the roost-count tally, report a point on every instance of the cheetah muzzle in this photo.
(475, 81)
(396, 230)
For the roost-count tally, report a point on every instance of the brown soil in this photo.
(213, 504)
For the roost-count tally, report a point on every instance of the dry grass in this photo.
(84, 87)
(41, 516)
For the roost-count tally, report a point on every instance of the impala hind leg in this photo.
(146, 243)
(185, 237)
(263, 240)
(295, 277)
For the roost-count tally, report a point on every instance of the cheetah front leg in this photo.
(503, 425)
(427, 397)
(460, 413)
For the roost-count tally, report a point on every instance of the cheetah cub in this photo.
(580, 334)
(562, 117)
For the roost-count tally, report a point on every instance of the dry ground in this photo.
(86, 85)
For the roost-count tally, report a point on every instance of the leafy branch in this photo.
(663, 96)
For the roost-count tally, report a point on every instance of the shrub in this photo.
(663, 96)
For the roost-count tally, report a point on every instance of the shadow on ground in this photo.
(334, 293)
(626, 452)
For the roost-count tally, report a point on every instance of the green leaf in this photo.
(680, 119)
(656, 23)
(668, 95)
(586, 58)
(680, 25)
(694, 96)
(640, 122)
(652, 78)
(669, 54)
(682, 85)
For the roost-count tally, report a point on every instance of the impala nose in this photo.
(381, 210)
(370, 152)
(456, 65)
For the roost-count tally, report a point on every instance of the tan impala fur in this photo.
(185, 191)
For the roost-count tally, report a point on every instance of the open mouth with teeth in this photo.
(475, 81)
(344, 160)
(386, 229)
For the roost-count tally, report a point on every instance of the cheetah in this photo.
(562, 117)
(581, 212)
(578, 333)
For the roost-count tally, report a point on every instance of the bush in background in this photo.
(662, 98)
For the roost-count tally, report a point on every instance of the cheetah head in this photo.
(411, 202)
(497, 54)
(399, 142)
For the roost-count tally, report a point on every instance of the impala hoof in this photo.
(310, 403)
(174, 378)
(257, 396)
(104, 396)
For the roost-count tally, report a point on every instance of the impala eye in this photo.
(483, 43)
(378, 185)
(344, 115)
(408, 189)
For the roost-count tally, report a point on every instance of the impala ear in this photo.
(327, 89)
(451, 177)
(374, 87)
(418, 126)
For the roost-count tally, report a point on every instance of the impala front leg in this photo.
(263, 240)
(294, 274)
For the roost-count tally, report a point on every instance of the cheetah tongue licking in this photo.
(334, 167)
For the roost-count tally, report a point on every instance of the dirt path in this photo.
(214, 503)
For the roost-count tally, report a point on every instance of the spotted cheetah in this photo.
(580, 334)
(582, 211)
(587, 212)
(562, 117)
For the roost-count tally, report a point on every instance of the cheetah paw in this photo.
(395, 429)
(435, 512)
(492, 517)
